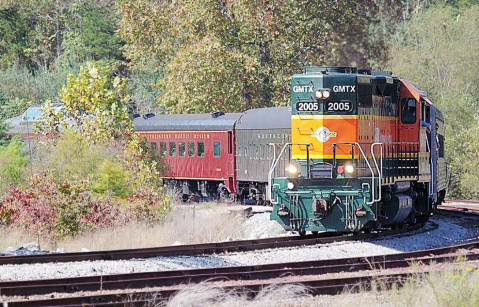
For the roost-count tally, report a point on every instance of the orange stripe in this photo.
(321, 133)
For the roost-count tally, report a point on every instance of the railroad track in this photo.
(200, 249)
(254, 278)
(129, 289)
(458, 209)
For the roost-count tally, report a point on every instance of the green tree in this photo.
(12, 164)
(36, 33)
(92, 36)
(438, 51)
(112, 177)
(233, 55)
(94, 105)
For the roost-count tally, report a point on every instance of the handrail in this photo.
(273, 166)
(367, 163)
(380, 173)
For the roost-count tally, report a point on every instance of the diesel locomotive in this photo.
(367, 151)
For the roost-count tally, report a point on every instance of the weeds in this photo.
(183, 225)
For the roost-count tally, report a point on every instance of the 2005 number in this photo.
(339, 106)
(307, 106)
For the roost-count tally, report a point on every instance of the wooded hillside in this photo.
(190, 56)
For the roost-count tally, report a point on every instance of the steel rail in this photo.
(262, 272)
(169, 278)
(200, 249)
(459, 210)
(246, 273)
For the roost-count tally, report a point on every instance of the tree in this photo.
(12, 164)
(94, 105)
(438, 51)
(92, 36)
(232, 55)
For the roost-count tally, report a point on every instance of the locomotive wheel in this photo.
(302, 233)
(315, 233)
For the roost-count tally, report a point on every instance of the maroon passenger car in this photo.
(199, 149)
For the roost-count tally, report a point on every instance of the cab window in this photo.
(408, 111)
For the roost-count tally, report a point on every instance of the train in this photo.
(355, 150)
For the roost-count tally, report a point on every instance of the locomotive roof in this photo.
(265, 118)
(182, 122)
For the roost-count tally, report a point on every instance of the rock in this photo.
(84, 250)
(10, 249)
(61, 250)
(32, 246)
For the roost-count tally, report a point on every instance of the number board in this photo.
(330, 106)
(305, 106)
(338, 106)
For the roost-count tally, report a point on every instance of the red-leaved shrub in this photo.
(148, 205)
(55, 210)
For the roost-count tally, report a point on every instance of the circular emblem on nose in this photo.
(323, 134)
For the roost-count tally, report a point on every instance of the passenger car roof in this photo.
(265, 118)
(187, 122)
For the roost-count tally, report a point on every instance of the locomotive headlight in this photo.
(349, 168)
(290, 185)
(292, 169)
(326, 94)
(318, 94)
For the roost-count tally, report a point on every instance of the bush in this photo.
(112, 177)
(54, 210)
(148, 204)
(12, 164)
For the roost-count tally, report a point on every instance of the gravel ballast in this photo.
(448, 233)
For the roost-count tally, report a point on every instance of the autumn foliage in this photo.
(92, 171)
(54, 210)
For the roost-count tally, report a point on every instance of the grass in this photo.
(449, 287)
(186, 224)
(207, 295)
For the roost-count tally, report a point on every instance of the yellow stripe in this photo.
(325, 156)
(379, 117)
(319, 116)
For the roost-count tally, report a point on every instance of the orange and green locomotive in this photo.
(367, 151)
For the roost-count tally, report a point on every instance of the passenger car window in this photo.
(191, 149)
(201, 149)
(163, 149)
(217, 149)
(181, 149)
(172, 149)
(408, 110)
(154, 149)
